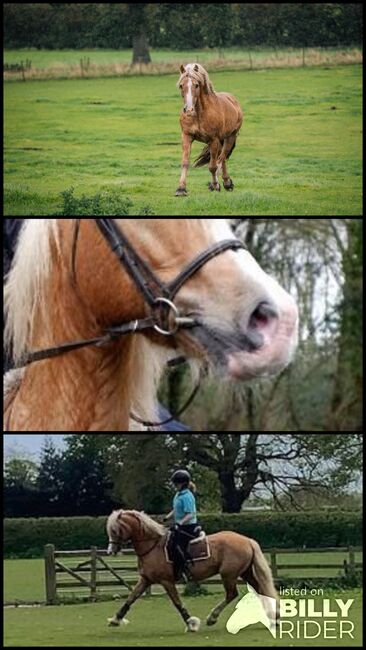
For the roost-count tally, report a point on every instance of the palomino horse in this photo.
(233, 557)
(211, 117)
(96, 308)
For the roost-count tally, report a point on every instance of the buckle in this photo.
(172, 308)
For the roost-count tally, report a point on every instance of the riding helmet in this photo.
(181, 476)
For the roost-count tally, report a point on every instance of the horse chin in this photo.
(238, 356)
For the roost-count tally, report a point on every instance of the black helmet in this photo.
(181, 476)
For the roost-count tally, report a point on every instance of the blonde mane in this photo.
(197, 71)
(149, 526)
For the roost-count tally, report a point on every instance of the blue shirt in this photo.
(184, 503)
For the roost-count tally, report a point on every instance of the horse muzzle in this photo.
(189, 112)
(113, 548)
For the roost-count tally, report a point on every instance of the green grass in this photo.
(296, 155)
(153, 622)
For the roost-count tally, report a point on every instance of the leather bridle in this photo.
(164, 318)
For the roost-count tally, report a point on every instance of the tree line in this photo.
(181, 25)
(97, 473)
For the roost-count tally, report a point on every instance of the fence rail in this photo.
(96, 564)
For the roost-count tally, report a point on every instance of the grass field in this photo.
(153, 622)
(299, 151)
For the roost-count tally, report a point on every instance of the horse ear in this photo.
(182, 69)
(196, 67)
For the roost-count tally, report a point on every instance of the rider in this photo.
(185, 518)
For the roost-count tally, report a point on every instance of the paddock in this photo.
(298, 152)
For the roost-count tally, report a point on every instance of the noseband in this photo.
(165, 317)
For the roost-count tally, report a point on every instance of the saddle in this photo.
(198, 548)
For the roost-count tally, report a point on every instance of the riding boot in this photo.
(179, 564)
(187, 572)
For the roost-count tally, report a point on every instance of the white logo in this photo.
(253, 608)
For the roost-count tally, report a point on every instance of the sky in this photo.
(31, 442)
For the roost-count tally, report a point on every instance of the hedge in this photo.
(27, 537)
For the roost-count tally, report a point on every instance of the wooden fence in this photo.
(96, 564)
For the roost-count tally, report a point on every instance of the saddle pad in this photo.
(198, 550)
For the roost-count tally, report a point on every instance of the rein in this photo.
(164, 319)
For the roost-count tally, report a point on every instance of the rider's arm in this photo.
(187, 517)
(169, 516)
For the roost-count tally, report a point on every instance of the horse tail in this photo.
(262, 572)
(203, 158)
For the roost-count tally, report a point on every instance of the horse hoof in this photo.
(229, 186)
(214, 186)
(181, 191)
(211, 621)
(115, 622)
(193, 624)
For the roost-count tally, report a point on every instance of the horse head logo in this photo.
(253, 608)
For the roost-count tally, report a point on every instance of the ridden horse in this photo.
(94, 318)
(210, 117)
(232, 556)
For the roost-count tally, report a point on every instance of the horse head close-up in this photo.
(96, 308)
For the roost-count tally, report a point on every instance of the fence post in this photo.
(93, 572)
(274, 564)
(352, 564)
(50, 574)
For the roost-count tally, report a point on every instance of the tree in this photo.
(20, 486)
(50, 477)
(346, 405)
(277, 463)
(140, 466)
(138, 25)
(86, 484)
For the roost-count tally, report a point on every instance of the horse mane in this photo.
(25, 297)
(148, 524)
(24, 288)
(197, 71)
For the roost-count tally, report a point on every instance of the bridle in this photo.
(165, 318)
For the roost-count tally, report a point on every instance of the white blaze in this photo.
(189, 94)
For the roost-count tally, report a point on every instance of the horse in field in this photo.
(210, 117)
(233, 557)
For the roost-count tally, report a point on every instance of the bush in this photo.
(104, 204)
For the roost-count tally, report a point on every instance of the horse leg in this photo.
(226, 149)
(231, 594)
(187, 145)
(135, 594)
(215, 147)
(193, 623)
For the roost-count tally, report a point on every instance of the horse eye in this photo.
(196, 85)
